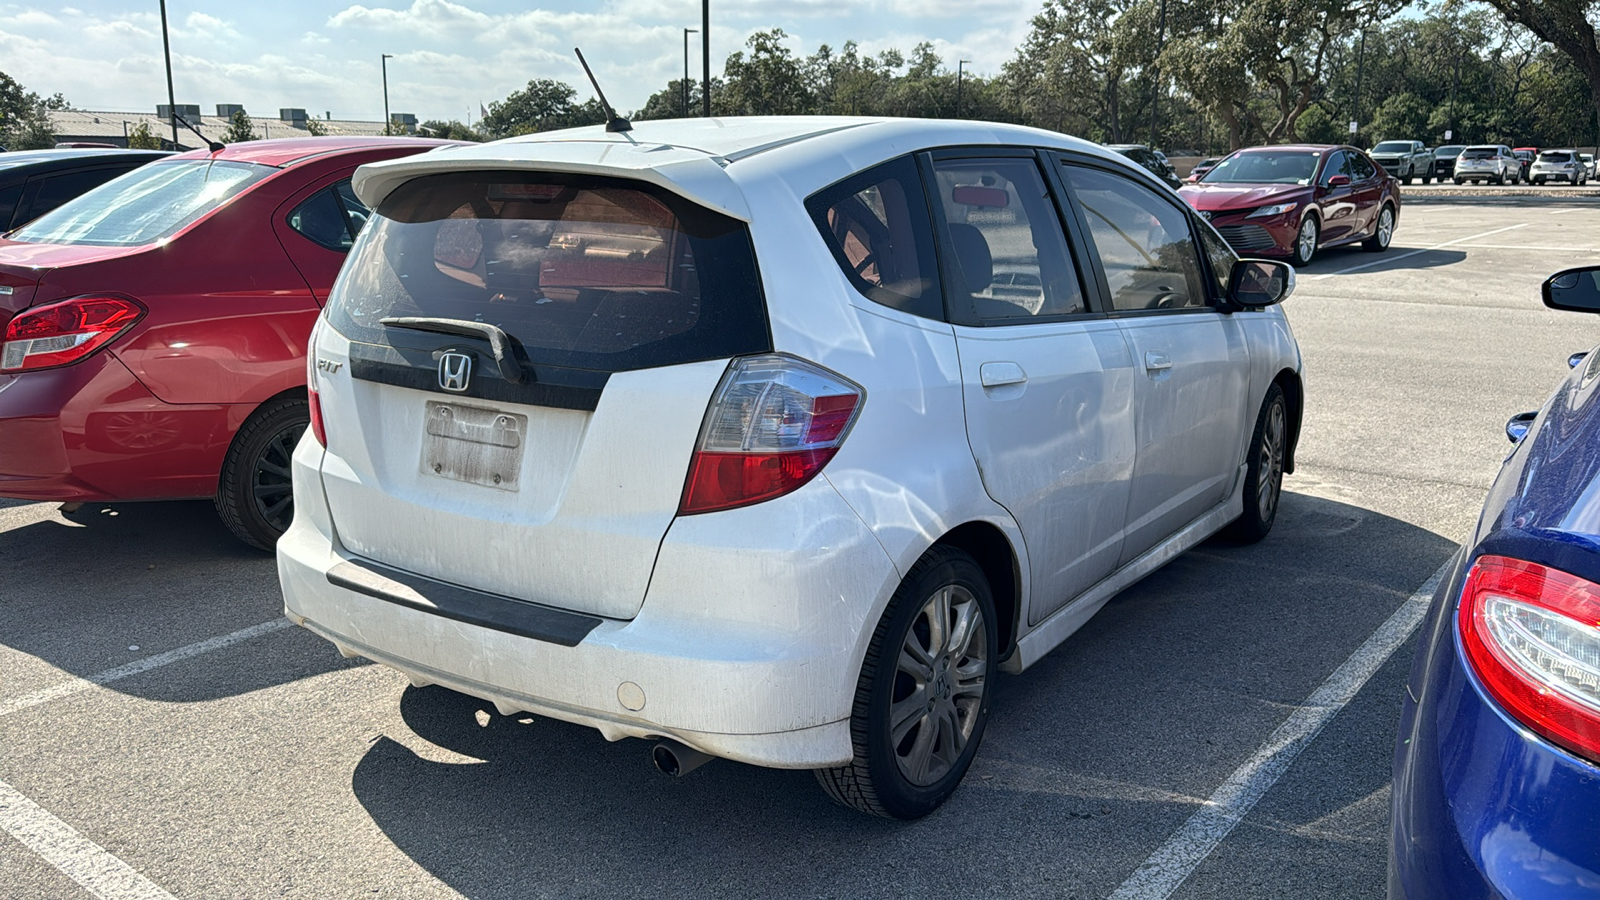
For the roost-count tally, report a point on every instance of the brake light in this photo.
(59, 334)
(1532, 635)
(773, 423)
(313, 401)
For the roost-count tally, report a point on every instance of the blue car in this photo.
(1497, 767)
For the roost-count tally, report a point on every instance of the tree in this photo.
(1566, 25)
(315, 128)
(769, 81)
(240, 128)
(141, 138)
(543, 105)
(452, 130)
(24, 118)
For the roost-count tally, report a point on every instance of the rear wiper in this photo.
(499, 341)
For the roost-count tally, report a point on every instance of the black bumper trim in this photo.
(507, 614)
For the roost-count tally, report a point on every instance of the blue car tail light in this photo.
(1531, 635)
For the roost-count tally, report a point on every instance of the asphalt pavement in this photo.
(138, 758)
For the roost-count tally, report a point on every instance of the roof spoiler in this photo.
(691, 174)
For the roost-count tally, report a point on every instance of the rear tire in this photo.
(255, 498)
(929, 666)
(1382, 231)
(1263, 480)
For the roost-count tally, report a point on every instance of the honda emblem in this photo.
(455, 371)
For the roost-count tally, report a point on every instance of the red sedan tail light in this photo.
(1532, 636)
(60, 334)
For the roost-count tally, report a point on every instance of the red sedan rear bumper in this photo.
(92, 432)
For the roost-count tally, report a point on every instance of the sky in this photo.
(449, 56)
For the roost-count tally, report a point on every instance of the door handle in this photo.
(998, 374)
(1156, 361)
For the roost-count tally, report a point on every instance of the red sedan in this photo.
(1293, 200)
(155, 328)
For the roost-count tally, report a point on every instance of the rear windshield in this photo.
(145, 205)
(1449, 150)
(1479, 153)
(1393, 147)
(582, 271)
(1555, 156)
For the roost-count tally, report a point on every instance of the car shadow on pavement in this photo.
(1092, 757)
(1340, 259)
(113, 584)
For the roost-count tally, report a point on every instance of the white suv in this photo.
(720, 433)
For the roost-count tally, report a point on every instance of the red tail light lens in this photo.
(313, 401)
(59, 334)
(773, 423)
(1532, 635)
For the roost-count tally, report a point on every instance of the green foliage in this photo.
(24, 119)
(769, 81)
(240, 128)
(451, 131)
(545, 104)
(315, 128)
(140, 137)
(1400, 118)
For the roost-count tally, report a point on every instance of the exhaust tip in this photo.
(675, 760)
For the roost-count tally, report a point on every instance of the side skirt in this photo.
(1050, 633)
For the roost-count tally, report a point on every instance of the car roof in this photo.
(45, 160)
(281, 152)
(704, 159)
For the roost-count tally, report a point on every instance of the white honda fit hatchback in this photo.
(774, 439)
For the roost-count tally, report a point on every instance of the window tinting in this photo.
(1144, 242)
(1338, 164)
(876, 224)
(1008, 256)
(581, 271)
(1361, 168)
(8, 204)
(1220, 256)
(54, 190)
(152, 202)
(1266, 167)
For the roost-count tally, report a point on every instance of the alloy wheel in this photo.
(938, 686)
(1273, 439)
(1385, 226)
(270, 482)
(1307, 241)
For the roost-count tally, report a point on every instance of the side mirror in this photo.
(1518, 426)
(1338, 181)
(1576, 290)
(1259, 283)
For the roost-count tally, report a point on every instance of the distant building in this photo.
(111, 127)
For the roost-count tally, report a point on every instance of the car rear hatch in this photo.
(527, 356)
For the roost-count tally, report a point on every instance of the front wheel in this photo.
(1305, 241)
(923, 696)
(255, 498)
(1263, 480)
(1382, 233)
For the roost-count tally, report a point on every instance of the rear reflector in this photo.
(773, 423)
(1532, 636)
(59, 334)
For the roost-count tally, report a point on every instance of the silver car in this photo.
(1494, 163)
(1558, 165)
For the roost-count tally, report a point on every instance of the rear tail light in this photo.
(59, 334)
(773, 423)
(313, 401)
(1532, 636)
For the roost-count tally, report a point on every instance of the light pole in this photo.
(960, 63)
(1361, 59)
(383, 62)
(1155, 72)
(686, 33)
(172, 103)
(705, 58)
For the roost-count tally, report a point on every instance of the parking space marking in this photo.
(1542, 249)
(139, 666)
(1390, 259)
(1174, 861)
(75, 856)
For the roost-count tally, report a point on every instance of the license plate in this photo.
(473, 444)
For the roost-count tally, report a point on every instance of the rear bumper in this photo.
(747, 647)
(1482, 807)
(1569, 177)
(91, 432)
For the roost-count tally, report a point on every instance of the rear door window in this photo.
(876, 225)
(583, 272)
(332, 217)
(1008, 257)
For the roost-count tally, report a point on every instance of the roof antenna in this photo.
(211, 145)
(614, 122)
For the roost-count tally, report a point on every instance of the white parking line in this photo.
(74, 855)
(1390, 259)
(139, 666)
(1167, 868)
(1540, 249)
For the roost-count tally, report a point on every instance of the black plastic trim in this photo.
(507, 614)
(417, 369)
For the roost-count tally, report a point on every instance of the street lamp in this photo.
(960, 63)
(686, 33)
(1155, 72)
(705, 58)
(172, 103)
(383, 62)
